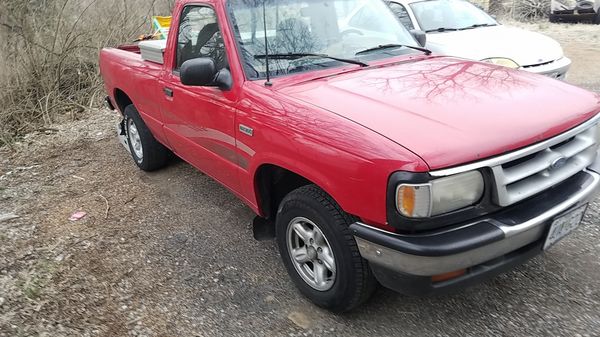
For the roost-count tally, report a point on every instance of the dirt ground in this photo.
(581, 44)
(171, 253)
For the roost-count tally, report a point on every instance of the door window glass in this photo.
(199, 36)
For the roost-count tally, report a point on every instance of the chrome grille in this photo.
(535, 171)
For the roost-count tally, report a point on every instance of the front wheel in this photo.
(319, 252)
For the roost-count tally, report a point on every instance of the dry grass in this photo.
(525, 10)
(49, 58)
(521, 10)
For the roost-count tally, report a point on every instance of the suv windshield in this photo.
(434, 15)
(331, 28)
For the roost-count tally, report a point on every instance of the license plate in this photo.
(564, 225)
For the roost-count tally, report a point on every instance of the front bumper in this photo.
(484, 247)
(557, 69)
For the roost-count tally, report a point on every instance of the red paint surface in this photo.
(347, 128)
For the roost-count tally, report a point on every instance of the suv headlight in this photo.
(439, 196)
(502, 61)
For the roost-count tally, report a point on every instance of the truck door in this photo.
(199, 121)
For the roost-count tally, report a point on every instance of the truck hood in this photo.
(522, 46)
(450, 111)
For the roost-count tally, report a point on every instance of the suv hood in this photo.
(450, 111)
(522, 46)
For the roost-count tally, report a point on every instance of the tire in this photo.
(148, 154)
(351, 281)
(584, 6)
(597, 20)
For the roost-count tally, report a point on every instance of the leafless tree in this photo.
(50, 52)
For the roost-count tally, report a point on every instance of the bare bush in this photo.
(527, 10)
(49, 60)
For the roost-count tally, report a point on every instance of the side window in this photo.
(199, 36)
(402, 14)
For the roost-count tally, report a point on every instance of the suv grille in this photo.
(535, 171)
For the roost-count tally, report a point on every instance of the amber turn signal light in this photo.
(406, 198)
(448, 276)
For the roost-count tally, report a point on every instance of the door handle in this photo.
(168, 92)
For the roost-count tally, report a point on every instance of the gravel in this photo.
(171, 254)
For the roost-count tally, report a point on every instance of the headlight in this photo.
(501, 61)
(439, 196)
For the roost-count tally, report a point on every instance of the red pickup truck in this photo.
(373, 161)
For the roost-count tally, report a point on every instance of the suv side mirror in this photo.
(420, 36)
(202, 72)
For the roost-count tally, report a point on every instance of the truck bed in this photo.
(131, 47)
(125, 60)
(124, 71)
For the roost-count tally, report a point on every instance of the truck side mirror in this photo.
(202, 72)
(198, 72)
(420, 36)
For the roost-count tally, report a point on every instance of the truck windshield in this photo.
(449, 15)
(333, 28)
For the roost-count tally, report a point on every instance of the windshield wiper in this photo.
(393, 45)
(477, 25)
(441, 30)
(295, 56)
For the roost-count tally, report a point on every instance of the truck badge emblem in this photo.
(557, 163)
(246, 130)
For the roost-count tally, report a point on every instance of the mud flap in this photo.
(263, 229)
(122, 134)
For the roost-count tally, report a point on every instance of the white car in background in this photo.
(459, 28)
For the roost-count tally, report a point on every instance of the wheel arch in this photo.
(121, 99)
(273, 182)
